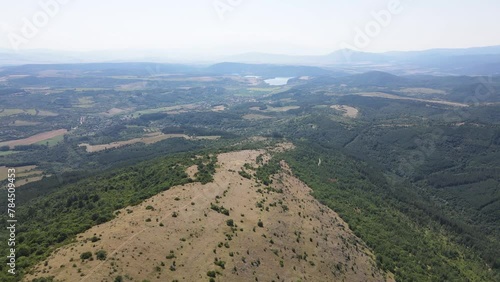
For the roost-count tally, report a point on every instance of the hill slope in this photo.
(234, 228)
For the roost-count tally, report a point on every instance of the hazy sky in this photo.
(237, 26)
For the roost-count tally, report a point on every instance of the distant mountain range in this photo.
(469, 61)
(347, 56)
(269, 70)
(42, 56)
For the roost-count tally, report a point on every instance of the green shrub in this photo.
(171, 255)
(101, 255)
(211, 273)
(260, 223)
(86, 255)
(220, 263)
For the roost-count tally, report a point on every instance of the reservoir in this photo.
(278, 81)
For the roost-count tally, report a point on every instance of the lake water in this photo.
(278, 81)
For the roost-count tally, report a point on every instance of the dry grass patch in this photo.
(347, 111)
(191, 171)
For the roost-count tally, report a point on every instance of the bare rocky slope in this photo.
(233, 229)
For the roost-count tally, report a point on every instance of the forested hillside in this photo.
(410, 163)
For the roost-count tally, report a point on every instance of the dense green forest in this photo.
(407, 239)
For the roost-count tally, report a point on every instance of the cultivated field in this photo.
(170, 110)
(31, 112)
(149, 138)
(421, 90)
(24, 174)
(44, 136)
(85, 102)
(270, 109)
(11, 112)
(255, 117)
(115, 111)
(219, 108)
(6, 153)
(24, 123)
(390, 96)
(52, 141)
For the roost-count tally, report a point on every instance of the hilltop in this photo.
(235, 228)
